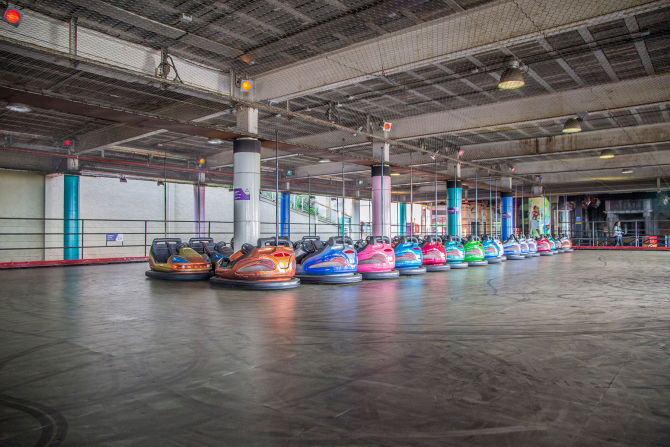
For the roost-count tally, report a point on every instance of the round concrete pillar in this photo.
(247, 188)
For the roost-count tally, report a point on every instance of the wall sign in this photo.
(242, 194)
(114, 237)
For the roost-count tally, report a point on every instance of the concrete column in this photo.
(285, 216)
(455, 208)
(71, 217)
(402, 219)
(247, 119)
(506, 210)
(247, 188)
(648, 213)
(356, 232)
(381, 201)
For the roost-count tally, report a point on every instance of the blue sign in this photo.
(452, 210)
(506, 215)
(241, 194)
(579, 219)
(114, 237)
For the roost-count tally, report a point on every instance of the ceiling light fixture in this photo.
(395, 174)
(18, 108)
(607, 154)
(626, 171)
(512, 77)
(324, 160)
(214, 141)
(573, 125)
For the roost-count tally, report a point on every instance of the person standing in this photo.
(618, 234)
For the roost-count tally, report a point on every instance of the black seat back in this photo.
(163, 248)
(202, 245)
(273, 242)
(339, 240)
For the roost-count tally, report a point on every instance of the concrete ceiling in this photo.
(329, 70)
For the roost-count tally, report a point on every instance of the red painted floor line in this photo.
(605, 247)
(28, 264)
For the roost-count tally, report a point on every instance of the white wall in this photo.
(21, 196)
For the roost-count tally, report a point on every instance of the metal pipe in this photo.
(435, 213)
(411, 195)
(165, 194)
(276, 188)
(342, 187)
(496, 205)
(490, 203)
(383, 192)
(476, 206)
(523, 219)
(516, 190)
(309, 205)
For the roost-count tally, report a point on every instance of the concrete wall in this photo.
(135, 209)
(22, 197)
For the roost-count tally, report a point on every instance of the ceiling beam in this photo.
(525, 21)
(534, 109)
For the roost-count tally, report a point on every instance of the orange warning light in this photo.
(246, 85)
(387, 127)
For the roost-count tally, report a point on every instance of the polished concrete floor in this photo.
(571, 350)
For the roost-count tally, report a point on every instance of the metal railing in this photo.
(636, 233)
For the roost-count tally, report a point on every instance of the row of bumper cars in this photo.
(474, 252)
(171, 259)
(376, 258)
(512, 248)
(270, 265)
(332, 262)
(453, 246)
(434, 254)
(492, 253)
(408, 256)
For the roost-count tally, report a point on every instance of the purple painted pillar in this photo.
(381, 212)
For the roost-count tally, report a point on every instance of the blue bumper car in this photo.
(332, 262)
(408, 257)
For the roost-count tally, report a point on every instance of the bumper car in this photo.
(173, 260)
(566, 243)
(501, 249)
(455, 252)
(532, 246)
(552, 244)
(513, 249)
(524, 247)
(270, 265)
(408, 257)
(434, 254)
(491, 250)
(206, 246)
(474, 252)
(544, 246)
(332, 262)
(376, 258)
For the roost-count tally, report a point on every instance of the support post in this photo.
(506, 209)
(285, 223)
(381, 199)
(246, 187)
(71, 217)
(455, 208)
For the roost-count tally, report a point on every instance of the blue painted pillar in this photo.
(455, 208)
(71, 217)
(402, 219)
(506, 210)
(285, 215)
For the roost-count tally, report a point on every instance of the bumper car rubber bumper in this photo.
(254, 285)
(515, 257)
(343, 278)
(199, 276)
(437, 268)
(459, 265)
(412, 271)
(389, 274)
(478, 263)
(495, 260)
